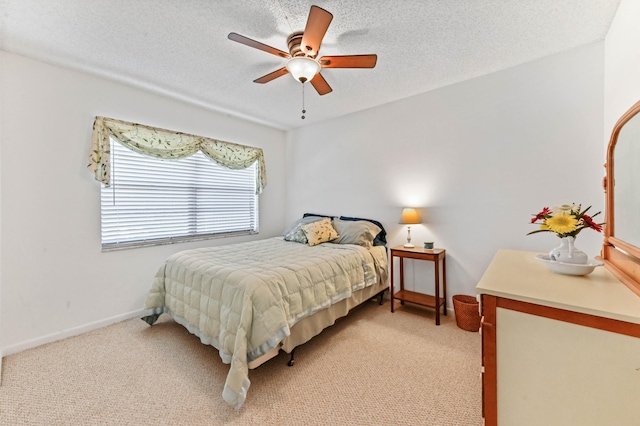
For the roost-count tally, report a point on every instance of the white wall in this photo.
(622, 64)
(480, 156)
(55, 279)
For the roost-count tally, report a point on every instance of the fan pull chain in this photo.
(303, 110)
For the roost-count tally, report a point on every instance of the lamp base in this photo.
(408, 245)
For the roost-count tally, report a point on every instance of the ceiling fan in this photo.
(303, 50)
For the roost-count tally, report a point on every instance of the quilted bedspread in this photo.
(243, 298)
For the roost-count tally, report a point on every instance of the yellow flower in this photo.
(562, 223)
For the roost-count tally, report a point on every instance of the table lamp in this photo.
(409, 217)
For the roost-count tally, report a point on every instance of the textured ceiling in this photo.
(180, 47)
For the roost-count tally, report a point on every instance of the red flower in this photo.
(545, 211)
(590, 223)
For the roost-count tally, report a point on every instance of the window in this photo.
(152, 201)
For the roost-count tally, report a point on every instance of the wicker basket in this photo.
(467, 313)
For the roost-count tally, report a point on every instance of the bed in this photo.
(251, 300)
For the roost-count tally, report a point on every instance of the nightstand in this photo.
(435, 255)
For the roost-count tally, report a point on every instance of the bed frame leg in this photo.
(380, 295)
(291, 361)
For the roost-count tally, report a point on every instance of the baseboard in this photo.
(53, 337)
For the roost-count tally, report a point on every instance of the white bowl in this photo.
(568, 268)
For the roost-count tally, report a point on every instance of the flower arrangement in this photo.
(566, 221)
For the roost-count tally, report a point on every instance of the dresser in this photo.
(557, 349)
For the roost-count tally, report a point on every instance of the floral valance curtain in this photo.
(168, 144)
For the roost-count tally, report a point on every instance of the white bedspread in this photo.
(243, 298)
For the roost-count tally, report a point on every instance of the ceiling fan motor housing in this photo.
(294, 42)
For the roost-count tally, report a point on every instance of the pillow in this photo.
(381, 238)
(360, 232)
(319, 232)
(295, 233)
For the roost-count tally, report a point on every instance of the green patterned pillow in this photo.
(295, 233)
(320, 232)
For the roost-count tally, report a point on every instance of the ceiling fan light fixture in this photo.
(302, 68)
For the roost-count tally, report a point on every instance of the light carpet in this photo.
(371, 368)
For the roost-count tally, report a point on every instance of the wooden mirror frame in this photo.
(619, 257)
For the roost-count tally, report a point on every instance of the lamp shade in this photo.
(409, 216)
(302, 68)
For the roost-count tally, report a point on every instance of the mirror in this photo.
(626, 179)
(621, 252)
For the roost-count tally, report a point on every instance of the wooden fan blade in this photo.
(271, 76)
(349, 61)
(257, 45)
(320, 84)
(317, 24)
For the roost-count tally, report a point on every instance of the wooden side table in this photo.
(435, 255)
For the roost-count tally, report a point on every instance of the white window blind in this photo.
(153, 201)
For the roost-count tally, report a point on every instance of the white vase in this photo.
(567, 253)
